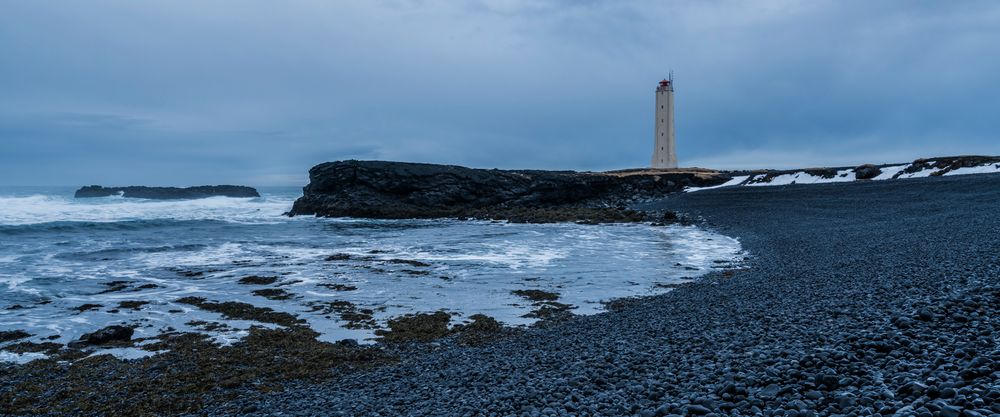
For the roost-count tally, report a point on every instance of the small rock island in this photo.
(168, 193)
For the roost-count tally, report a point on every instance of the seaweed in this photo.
(243, 311)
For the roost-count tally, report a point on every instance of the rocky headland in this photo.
(391, 190)
(394, 190)
(167, 193)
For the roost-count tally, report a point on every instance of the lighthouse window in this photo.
(661, 106)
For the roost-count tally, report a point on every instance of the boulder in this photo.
(866, 172)
(106, 335)
(7, 336)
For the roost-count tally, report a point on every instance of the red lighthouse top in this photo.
(666, 85)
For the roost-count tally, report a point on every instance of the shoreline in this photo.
(843, 283)
(338, 289)
(218, 369)
(841, 310)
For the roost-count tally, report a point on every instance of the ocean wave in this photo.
(64, 284)
(115, 253)
(60, 211)
(83, 226)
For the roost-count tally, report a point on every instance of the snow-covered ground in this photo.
(848, 174)
(800, 178)
(735, 181)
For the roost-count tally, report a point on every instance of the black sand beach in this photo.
(858, 299)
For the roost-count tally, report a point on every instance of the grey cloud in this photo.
(260, 91)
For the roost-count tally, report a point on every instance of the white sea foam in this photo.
(35, 209)
(14, 283)
(219, 254)
(471, 267)
(506, 254)
(127, 353)
(20, 358)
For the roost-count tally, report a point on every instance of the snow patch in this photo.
(889, 172)
(735, 181)
(982, 169)
(802, 177)
(919, 174)
(847, 175)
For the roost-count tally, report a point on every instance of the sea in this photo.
(71, 266)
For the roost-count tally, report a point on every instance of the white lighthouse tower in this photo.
(664, 155)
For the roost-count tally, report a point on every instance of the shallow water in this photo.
(57, 254)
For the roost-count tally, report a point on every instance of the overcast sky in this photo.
(168, 92)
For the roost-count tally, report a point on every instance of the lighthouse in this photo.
(664, 155)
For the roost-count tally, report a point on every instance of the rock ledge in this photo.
(393, 190)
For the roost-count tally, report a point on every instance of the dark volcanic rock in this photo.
(87, 307)
(272, 293)
(536, 295)
(7, 336)
(107, 335)
(421, 327)
(243, 311)
(482, 330)
(822, 172)
(190, 372)
(380, 189)
(257, 280)
(168, 193)
(866, 172)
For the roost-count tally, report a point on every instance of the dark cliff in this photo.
(168, 193)
(378, 189)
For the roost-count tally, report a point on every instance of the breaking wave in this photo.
(47, 209)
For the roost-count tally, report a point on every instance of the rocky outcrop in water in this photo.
(167, 193)
(378, 189)
(104, 336)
